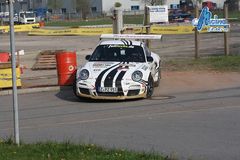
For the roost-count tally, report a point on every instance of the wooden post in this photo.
(226, 34)
(196, 35)
(1, 22)
(147, 24)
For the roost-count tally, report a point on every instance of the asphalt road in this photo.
(197, 125)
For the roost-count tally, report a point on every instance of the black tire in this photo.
(156, 84)
(74, 87)
(150, 87)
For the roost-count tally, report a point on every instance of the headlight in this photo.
(84, 74)
(137, 76)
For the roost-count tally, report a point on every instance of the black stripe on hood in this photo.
(119, 80)
(99, 78)
(108, 82)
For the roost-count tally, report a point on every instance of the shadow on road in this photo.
(66, 94)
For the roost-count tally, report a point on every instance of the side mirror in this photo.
(88, 57)
(150, 59)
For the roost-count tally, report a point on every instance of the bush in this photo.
(117, 4)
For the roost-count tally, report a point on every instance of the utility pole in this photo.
(117, 20)
(147, 24)
(196, 35)
(14, 79)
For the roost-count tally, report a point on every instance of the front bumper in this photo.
(112, 97)
(134, 90)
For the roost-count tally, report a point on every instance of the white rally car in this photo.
(119, 69)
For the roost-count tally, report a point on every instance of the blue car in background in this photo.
(41, 13)
(179, 16)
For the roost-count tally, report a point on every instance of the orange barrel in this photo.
(66, 67)
(41, 24)
(4, 57)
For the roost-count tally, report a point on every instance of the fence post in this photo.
(226, 34)
(196, 35)
(1, 22)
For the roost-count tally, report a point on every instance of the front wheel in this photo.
(150, 87)
(74, 87)
(156, 84)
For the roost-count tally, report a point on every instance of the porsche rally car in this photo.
(119, 69)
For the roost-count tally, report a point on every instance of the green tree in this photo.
(83, 7)
(117, 4)
(55, 5)
(154, 2)
(233, 4)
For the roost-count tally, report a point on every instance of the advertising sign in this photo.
(214, 24)
(158, 14)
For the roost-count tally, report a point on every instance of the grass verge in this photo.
(127, 19)
(67, 151)
(215, 63)
(100, 21)
(233, 15)
(136, 19)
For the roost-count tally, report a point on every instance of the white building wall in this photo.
(107, 5)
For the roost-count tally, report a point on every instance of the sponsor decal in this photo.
(145, 68)
(102, 65)
(96, 70)
(214, 24)
(119, 46)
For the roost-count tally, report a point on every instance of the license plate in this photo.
(108, 89)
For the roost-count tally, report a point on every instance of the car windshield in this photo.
(118, 53)
(30, 15)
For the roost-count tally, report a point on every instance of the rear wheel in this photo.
(150, 87)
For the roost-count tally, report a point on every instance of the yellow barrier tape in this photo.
(174, 30)
(98, 31)
(165, 30)
(6, 77)
(70, 32)
(19, 28)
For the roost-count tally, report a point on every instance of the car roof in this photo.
(122, 42)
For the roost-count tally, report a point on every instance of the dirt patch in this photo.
(192, 81)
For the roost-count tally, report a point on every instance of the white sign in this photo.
(158, 14)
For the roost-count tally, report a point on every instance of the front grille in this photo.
(84, 91)
(110, 94)
(133, 92)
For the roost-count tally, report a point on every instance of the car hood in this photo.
(113, 69)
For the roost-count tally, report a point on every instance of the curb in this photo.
(31, 90)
